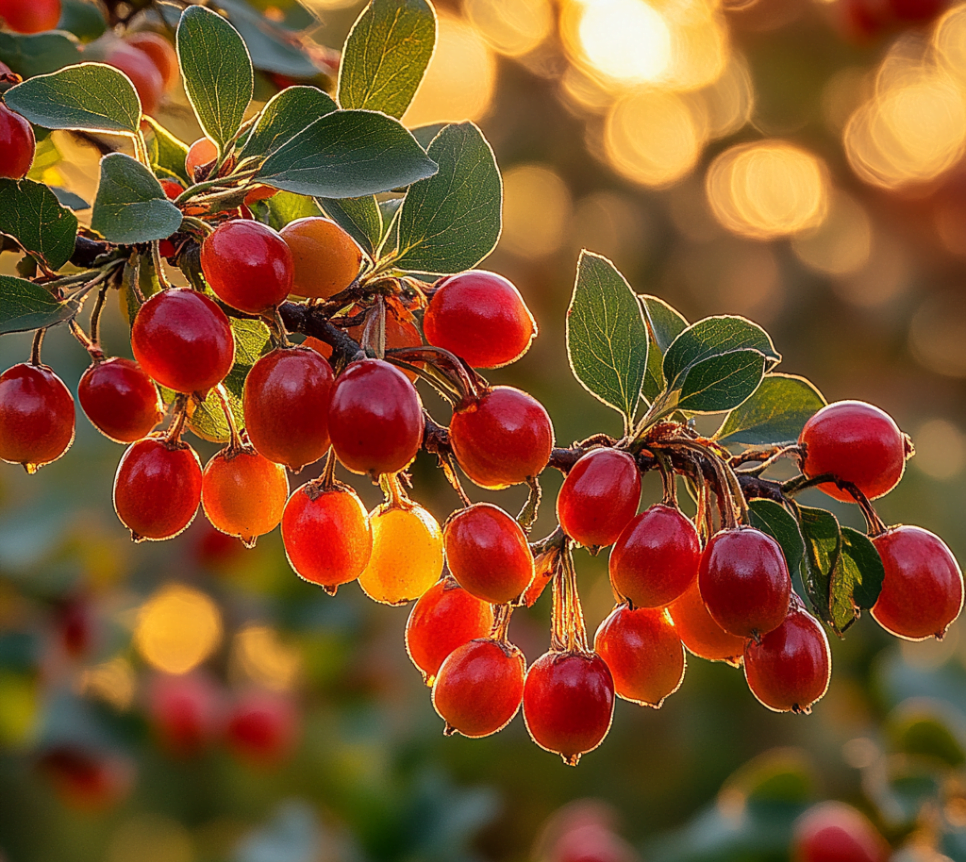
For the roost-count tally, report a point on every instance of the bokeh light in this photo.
(940, 449)
(536, 209)
(842, 243)
(177, 629)
(730, 100)
(937, 335)
(512, 27)
(151, 838)
(262, 657)
(112, 681)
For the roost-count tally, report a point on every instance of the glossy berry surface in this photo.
(157, 488)
(836, 832)
(701, 635)
(481, 317)
(744, 582)
(656, 558)
(244, 494)
(247, 265)
(790, 668)
(326, 534)
(144, 74)
(183, 340)
(326, 258)
(487, 553)
(856, 442)
(568, 703)
(17, 144)
(263, 727)
(286, 401)
(375, 418)
(36, 416)
(161, 52)
(407, 554)
(599, 497)
(184, 712)
(201, 153)
(480, 687)
(922, 592)
(503, 438)
(444, 618)
(120, 400)
(643, 652)
(30, 16)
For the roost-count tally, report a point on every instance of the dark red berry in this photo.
(922, 592)
(183, 340)
(36, 416)
(481, 317)
(30, 16)
(744, 582)
(286, 401)
(263, 727)
(568, 703)
(185, 712)
(836, 832)
(599, 496)
(656, 558)
(86, 779)
(503, 438)
(375, 419)
(487, 553)
(17, 144)
(121, 400)
(143, 73)
(247, 265)
(916, 11)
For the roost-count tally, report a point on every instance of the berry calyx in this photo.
(487, 553)
(17, 144)
(445, 617)
(789, 670)
(922, 592)
(502, 438)
(836, 832)
(142, 72)
(326, 259)
(120, 400)
(699, 632)
(744, 582)
(36, 416)
(201, 153)
(183, 340)
(326, 534)
(157, 488)
(857, 443)
(263, 727)
(643, 652)
(161, 52)
(375, 418)
(35, 16)
(481, 317)
(480, 687)
(243, 494)
(599, 497)
(286, 401)
(247, 265)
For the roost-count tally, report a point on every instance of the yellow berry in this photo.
(407, 554)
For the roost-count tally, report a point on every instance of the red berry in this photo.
(836, 832)
(480, 687)
(17, 144)
(922, 592)
(643, 652)
(120, 400)
(503, 438)
(143, 73)
(599, 496)
(183, 340)
(172, 189)
(286, 401)
(326, 534)
(263, 727)
(85, 779)
(76, 625)
(30, 16)
(700, 633)
(201, 153)
(161, 52)
(157, 488)
(568, 703)
(481, 317)
(487, 553)
(917, 11)
(790, 668)
(656, 558)
(36, 416)
(856, 443)
(247, 265)
(375, 419)
(744, 582)
(445, 617)
(185, 712)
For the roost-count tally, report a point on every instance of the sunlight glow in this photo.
(625, 40)
(512, 27)
(177, 629)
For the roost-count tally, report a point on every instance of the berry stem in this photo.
(531, 509)
(180, 416)
(568, 630)
(501, 623)
(668, 480)
(96, 316)
(87, 343)
(374, 332)
(236, 444)
(36, 346)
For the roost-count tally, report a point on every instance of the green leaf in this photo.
(452, 221)
(40, 53)
(774, 519)
(285, 207)
(69, 199)
(92, 97)
(856, 580)
(286, 114)
(606, 335)
(721, 382)
(83, 19)
(269, 45)
(386, 55)
(775, 414)
(347, 154)
(664, 324)
(167, 153)
(25, 306)
(361, 218)
(427, 134)
(823, 546)
(32, 215)
(925, 728)
(131, 206)
(217, 72)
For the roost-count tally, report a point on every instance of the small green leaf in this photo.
(775, 414)
(386, 55)
(269, 45)
(217, 72)
(92, 97)
(25, 306)
(131, 206)
(664, 324)
(69, 199)
(452, 221)
(347, 154)
(606, 335)
(823, 546)
(926, 728)
(427, 134)
(83, 19)
(32, 215)
(721, 382)
(773, 518)
(359, 217)
(285, 207)
(856, 579)
(286, 114)
(167, 153)
(40, 53)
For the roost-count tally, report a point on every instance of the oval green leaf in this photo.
(775, 520)
(269, 45)
(361, 218)
(285, 115)
(775, 414)
(25, 306)
(131, 206)
(721, 382)
(856, 579)
(38, 54)
(31, 213)
(823, 546)
(664, 324)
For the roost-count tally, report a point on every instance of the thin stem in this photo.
(236, 444)
(198, 224)
(327, 479)
(96, 315)
(35, 348)
(159, 265)
(531, 509)
(501, 623)
(668, 480)
(173, 434)
(89, 345)
(277, 327)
